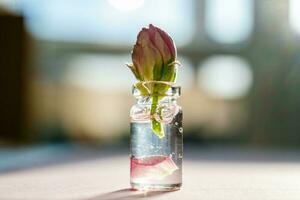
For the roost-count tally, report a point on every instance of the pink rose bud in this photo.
(154, 56)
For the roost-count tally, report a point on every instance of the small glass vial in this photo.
(156, 163)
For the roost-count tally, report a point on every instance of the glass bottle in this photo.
(156, 163)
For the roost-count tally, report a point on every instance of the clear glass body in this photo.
(156, 163)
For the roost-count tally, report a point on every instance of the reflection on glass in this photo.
(229, 21)
(226, 77)
(107, 22)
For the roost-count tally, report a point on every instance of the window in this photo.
(110, 22)
(95, 71)
(228, 21)
(294, 15)
(11, 5)
(185, 75)
(225, 76)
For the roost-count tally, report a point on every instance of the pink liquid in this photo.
(154, 170)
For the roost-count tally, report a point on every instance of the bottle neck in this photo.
(149, 89)
(162, 100)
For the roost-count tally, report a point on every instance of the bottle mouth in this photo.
(156, 88)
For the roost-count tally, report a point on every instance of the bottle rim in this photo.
(148, 88)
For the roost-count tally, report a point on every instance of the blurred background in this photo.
(63, 76)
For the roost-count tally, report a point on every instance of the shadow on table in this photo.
(126, 194)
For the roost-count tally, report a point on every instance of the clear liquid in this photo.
(156, 164)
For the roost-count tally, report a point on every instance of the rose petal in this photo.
(152, 168)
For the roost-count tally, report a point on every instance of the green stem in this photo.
(156, 126)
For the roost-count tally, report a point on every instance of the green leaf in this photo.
(158, 129)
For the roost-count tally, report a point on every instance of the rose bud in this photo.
(154, 56)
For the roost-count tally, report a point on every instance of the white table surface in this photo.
(82, 173)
